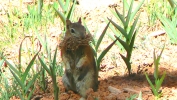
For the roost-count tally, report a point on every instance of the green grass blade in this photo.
(158, 85)
(101, 36)
(119, 28)
(125, 4)
(156, 62)
(120, 17)
(171, 34)
(30, 65)
(47, 49)
(18, 80)
(155, 66)
(117, 43)
(19, 93)
(116, 33)
(103, 53)
(94, 51)
(158, 57)
(129, 15)
(124, 44)
(169, 28)
(40, 5)
(172, 3)
(30, 94)
(125, 7)
(85, 25)
(11, 67)
(132, 97)
(62, 5)
(62, 17)
(126, 62)
(54, 58)
(52, 67)
(152, 86)
(165, 21)
(70, 13)
(133, 28)
(136, 10)
(114, 13)
(88, 31)
(67, 5)
(44, 66)
(132, 42)
(31, 82)
(94, 36)
(113, 29)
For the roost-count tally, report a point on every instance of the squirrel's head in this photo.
(75, 29)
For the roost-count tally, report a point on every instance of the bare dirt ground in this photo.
(114, 81)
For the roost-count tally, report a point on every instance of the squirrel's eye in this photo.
(72, 30)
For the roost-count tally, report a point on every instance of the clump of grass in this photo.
(5, 89)
(170, 22)
(128, 30)
(23, 82)
(51, 70)
(21, 24)
(152, 9)
(48, 64)
(158, 81)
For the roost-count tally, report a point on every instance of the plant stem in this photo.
(56, 90)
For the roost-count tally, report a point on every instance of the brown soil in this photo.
(114, 81)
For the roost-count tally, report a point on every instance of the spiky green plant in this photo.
(23, 86)
(152, 8)
(47, 61)
(3, 92)
(158, 81)
(95, 45)
(21, 24)
(128, 30)
(51, 70)
(170, 23)
(6, 90)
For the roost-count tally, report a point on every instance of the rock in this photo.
(114, 90)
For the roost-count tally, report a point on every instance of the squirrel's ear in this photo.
(79, 21)
(68, 22)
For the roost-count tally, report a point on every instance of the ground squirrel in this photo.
(78, 57)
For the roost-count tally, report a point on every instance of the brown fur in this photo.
(78, 57)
